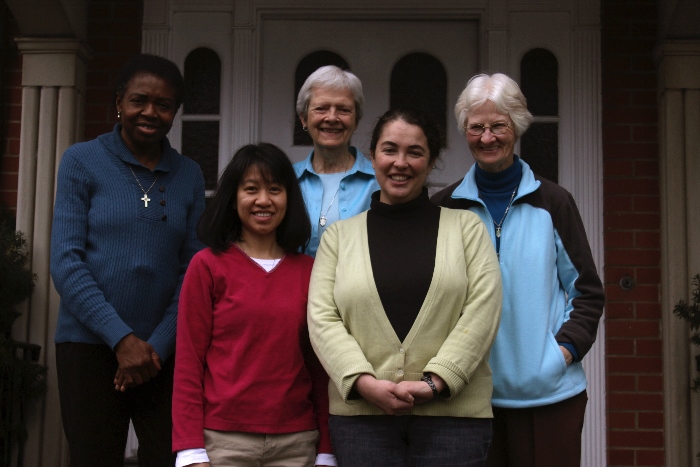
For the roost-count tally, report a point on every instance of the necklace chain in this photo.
(145, 197)
(323, 220)
(498, 226)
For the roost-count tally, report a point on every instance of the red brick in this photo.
(647, 203)
(622, 420)
(649, 347)
(647, 239)
(631, 401)
(642, 97)
(630, 150)
(618, 310)
(619, 347)
(645, 133)
(632, 257)
(648, 276)
(649, 457)
(651, 420)
(8, 181)
(9, 164)
(617, 98)
(648, 311)
(639, 292)
(628, 365)
(622, 203)
(616, 238)
(650, 383)
(630, 186)
(636, 438)
(632, 328)
(616, 133)
(620, 457)
(639, 116)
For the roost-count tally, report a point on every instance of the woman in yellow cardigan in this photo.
(404, 304)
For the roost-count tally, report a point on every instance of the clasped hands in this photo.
(138, 362)
(396, 398)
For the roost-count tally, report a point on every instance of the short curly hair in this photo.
(154, 65)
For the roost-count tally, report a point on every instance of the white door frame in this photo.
(507, 28)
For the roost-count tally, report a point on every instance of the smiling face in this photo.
(331, 118)
(147, 110)
(492, 153)
(401, 161)
(260, 205)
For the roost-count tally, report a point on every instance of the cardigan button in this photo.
(401, 350)
(165, 218)
(400, 372)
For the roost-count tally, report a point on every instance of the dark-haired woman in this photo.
(124, 231)
(404, 304)
(249, 390)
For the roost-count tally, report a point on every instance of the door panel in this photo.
(371, 49)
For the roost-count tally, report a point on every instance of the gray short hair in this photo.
(503, 92)
(332, 77)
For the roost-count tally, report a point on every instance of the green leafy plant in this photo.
(22, 379)
(691, 313)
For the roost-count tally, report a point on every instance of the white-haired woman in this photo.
(336, 178)
(552, 295)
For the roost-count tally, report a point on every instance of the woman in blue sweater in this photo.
(127, 206)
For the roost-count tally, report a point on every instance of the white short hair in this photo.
(332, 77)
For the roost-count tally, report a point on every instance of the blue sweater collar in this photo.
(361, 164)
(468, 188)
(115, 143)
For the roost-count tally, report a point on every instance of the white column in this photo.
(53, 80)
(587, 188)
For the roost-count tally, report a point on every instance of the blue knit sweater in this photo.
(117, 264)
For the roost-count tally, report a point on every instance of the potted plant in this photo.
(691, 313)
(22, 379)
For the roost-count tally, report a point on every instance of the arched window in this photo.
(539, 146)
(306, 66)
(201, 112)
(419, 81)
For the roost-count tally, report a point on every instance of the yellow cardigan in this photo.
(451, 336)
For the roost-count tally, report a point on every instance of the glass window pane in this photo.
(539, 78)
(419, 81)
(539, 146)
(202, 82)
(200, 141)
(306, 66)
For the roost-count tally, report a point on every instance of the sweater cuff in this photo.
(571, 348)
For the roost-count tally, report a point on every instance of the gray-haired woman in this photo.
(336, 178)
(552, 295)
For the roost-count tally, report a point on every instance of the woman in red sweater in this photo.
(248, 388)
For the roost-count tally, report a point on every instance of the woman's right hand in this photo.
(385, 395)
(138, 362)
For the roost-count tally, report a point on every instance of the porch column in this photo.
(678, 66)
(53, 89)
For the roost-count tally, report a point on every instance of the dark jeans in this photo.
(410, 440)
(96, 417)
(545, 436)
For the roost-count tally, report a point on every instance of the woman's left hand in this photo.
(421, 391)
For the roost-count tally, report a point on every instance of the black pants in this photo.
(96, 417)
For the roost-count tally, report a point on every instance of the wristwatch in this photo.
(428, 379)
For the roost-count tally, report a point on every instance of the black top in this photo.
(402, 246)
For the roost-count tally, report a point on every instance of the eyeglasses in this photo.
(497, 129)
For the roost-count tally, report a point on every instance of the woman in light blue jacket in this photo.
(552, 295)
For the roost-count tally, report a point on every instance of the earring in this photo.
(305, 128)
(119, 114)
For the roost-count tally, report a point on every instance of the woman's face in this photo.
(260, 205)
(147, 110)
(331, 118)
(492, 153)
(401, 161)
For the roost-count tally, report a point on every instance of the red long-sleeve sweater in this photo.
(243, 361)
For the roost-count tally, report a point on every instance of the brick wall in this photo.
(114, 33)
(632, 233)
(11, 112)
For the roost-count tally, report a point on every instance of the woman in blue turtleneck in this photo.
(552, 295)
